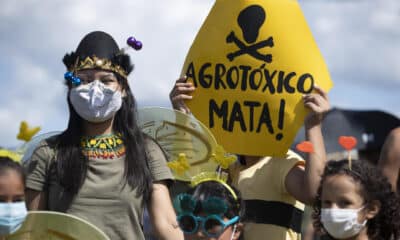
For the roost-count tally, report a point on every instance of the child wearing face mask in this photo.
(12, 205)
(356, 203)
(212, 210)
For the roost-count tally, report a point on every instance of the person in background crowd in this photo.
(389, 161)
(274, 189)
(12, 197)
(356, 203)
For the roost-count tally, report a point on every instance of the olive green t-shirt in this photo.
(103, 199)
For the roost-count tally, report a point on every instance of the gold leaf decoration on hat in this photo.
(99, 63)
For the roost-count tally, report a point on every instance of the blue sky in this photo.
(360, 40)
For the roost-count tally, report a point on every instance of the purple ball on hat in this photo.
(135, 44)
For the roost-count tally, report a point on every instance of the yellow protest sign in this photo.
(251, 62)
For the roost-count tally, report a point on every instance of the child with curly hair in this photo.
(356, 203)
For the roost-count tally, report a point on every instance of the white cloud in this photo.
(385, 16)
(34, 95)
(358, 36)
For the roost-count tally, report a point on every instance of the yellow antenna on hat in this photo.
(26, 132)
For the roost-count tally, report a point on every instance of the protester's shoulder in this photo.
(45, 149)
(48, 143)
(151, 144)
(157, 160)
(290, 155)
(42, 156)
(149, 141)
(153, 149)
(293, 155)
(289, 160)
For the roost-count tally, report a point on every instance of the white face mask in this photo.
(12, 216)
(341, 223)
(95, 102)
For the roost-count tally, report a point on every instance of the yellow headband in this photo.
(7, 153)
(212, 176)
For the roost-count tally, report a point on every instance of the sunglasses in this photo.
(211, 226)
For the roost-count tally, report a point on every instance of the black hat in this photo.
(98, 50)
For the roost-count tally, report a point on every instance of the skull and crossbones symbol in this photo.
(250, 20)
(250, 49)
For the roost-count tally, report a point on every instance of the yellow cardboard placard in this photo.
(251, 62)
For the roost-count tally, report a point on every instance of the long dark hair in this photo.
(374, 187)
(72, 165)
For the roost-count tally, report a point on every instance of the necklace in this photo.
(103, 146)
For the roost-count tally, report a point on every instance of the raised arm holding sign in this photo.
(251, 76)
(294, 178)
(251, 62)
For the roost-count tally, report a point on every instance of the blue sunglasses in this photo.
(211, 226)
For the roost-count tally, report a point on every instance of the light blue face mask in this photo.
(12, 216)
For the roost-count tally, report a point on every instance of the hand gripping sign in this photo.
(251, 62)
